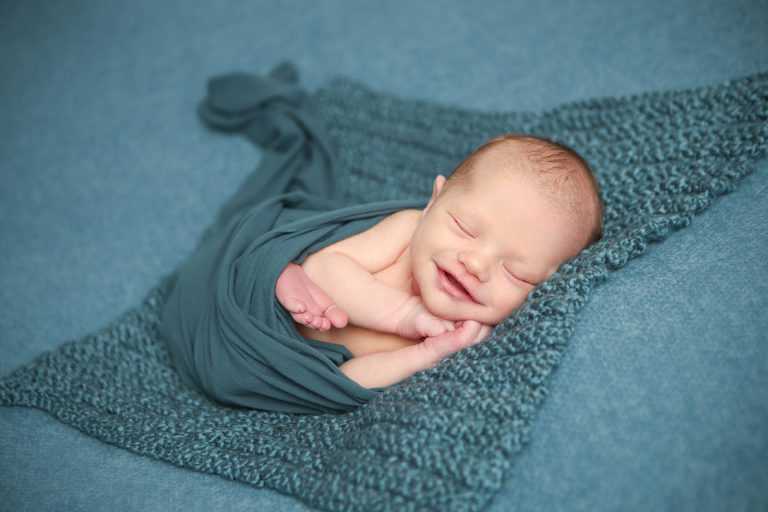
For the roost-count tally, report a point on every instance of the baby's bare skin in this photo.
(308, 304)
(315, 312)
(421, 285)
(410, 338)
(294, 287)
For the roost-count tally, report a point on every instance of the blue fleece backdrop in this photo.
(108, 180)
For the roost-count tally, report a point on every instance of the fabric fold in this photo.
(227, 334)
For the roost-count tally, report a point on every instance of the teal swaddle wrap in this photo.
(227, 334)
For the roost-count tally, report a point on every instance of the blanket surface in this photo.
(446, 438)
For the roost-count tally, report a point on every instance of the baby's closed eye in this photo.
(516, 276)
(464, 229)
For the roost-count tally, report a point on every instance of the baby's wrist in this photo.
(401, 316)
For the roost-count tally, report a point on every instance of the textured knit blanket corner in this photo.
(446, 438)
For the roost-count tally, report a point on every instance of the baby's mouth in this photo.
(456, 282)
(454, 287)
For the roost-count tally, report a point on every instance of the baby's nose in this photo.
(475, 264)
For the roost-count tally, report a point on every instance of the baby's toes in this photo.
(294, 305)
(302, 318)
(316, 322)
(336, 316)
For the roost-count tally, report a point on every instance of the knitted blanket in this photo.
(446, 438)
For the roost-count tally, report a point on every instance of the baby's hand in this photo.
(308, 304)
(467, 333)
(415, 321)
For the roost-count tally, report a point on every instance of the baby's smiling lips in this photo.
(454, 286)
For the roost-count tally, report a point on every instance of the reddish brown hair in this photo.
(561, 167)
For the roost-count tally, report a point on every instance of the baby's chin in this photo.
(450, 310)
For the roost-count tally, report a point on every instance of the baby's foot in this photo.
(308, 304)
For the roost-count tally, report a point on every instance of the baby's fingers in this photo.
(485, 330)
(475, 332)
(433, 327)
(436, 348)
(467, 333)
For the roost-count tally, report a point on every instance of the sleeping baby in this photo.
(423, 284)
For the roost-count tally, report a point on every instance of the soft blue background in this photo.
(108, 178)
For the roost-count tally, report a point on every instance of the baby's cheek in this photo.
(439, 306)
(500, 309)
(512, 305)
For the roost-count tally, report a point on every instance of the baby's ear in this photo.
(438, 185)
(436, 188)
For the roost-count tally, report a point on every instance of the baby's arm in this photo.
(383, 369)
(345, 271)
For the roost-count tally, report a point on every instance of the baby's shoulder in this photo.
(391, 229)
(404, 218)
(399, 225)
(380, 245)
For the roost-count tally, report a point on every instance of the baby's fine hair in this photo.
(557, 163)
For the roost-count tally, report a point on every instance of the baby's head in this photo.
(510, 214)
(557, 171)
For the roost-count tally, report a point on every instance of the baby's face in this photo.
(479, 249)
